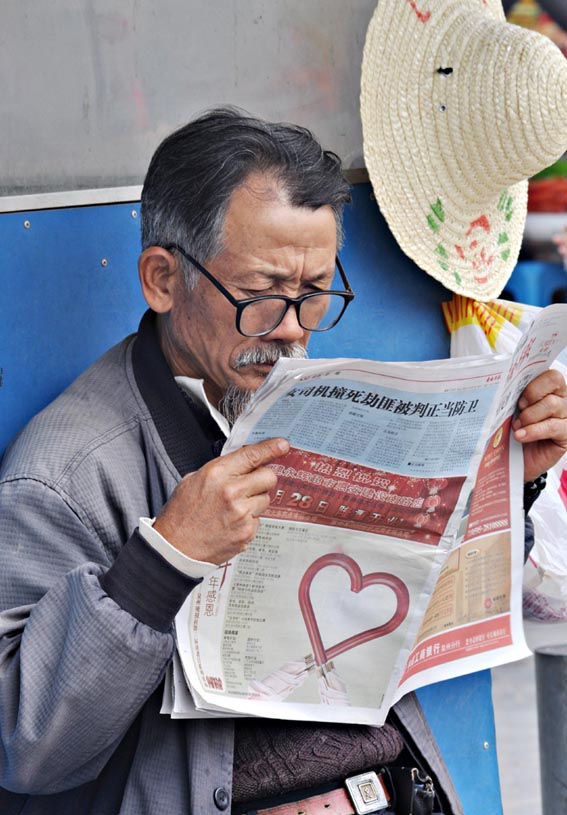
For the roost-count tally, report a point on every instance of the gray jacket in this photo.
(87, 606)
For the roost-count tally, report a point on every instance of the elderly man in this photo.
(240, 224)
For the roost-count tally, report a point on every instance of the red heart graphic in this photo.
(358, 582)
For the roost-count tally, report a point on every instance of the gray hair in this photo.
(195, 170)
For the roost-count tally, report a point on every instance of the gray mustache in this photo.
(268, 354)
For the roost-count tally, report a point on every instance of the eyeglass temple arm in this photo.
(204, 272)
(344, 278)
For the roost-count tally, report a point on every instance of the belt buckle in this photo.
(367, 793)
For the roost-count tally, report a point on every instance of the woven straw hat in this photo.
(458, 109)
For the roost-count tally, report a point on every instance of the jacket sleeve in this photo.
(83, 642)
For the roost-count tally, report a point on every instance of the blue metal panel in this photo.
(460, 714)
(396, 315)
(61, 308)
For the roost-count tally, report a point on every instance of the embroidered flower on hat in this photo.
(478, 249)
(422, 16)
(481, 247)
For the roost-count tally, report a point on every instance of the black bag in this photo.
(411, 789)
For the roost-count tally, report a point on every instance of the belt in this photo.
(364, 793)
(409, 791)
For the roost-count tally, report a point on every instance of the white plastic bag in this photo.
(483, 328)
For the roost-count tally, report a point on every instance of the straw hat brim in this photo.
(435, 186)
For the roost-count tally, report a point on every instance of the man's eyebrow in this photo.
(283, 274)
(322, 276)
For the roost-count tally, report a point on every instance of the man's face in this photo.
(270, 247)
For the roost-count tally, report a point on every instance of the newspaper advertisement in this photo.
(391, 553)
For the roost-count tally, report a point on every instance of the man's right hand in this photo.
(213, 513)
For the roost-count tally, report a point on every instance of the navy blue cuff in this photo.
(145, 585)
(529, 537)
(532, 491)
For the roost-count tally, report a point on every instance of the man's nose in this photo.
(289, 329)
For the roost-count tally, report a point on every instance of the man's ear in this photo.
(157, 269)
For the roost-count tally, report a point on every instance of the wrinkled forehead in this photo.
(260, 222)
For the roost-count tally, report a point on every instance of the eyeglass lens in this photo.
(316, 313)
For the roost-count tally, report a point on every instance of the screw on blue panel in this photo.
(134, 213)
(104, 262)
(27, 224)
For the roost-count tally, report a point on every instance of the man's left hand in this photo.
(541, 425)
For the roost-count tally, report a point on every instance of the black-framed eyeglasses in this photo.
(257, 316)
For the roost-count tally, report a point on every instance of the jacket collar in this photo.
(189, 434)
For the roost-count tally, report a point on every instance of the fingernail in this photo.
(519, 434)
(522, 403)
(283, 446)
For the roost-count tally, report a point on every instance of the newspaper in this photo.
(392, 551)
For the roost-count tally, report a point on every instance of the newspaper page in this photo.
(377, 567)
